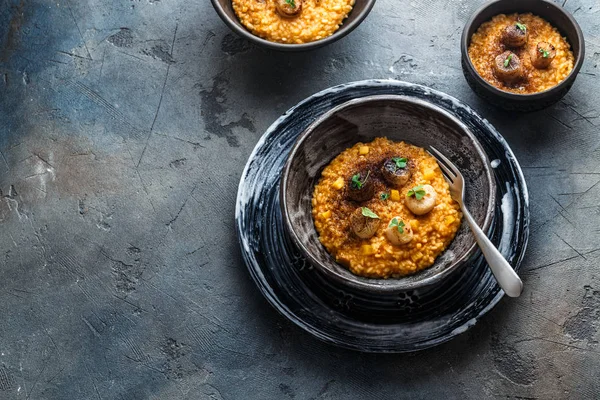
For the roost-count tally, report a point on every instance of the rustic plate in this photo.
(409, 321)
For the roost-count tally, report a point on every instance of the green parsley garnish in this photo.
(399, 224)
(507, 61)
(521, 26)
(544, 52)
(417, 191)
(291, 3)
(368, 213)
(384, 196)
(400, 162)
(357, 183)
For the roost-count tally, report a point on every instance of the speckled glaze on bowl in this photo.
(398, 118)
(359, 12)
(552, 13)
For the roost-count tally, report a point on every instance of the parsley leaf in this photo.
(368, 213)
(357, 183)
(507, 61)
(400, 162)
(291, 3)
(384, 196)
(521, 27)
(417, 191)
(401, 227)
(398, 224)
(545, 53)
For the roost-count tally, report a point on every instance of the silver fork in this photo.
(505, 275)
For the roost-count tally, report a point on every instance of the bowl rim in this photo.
(374, 284)
(342, 30)
(464, 47)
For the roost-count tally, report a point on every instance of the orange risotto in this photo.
(397, 226)
(489, 42)
(312, 19)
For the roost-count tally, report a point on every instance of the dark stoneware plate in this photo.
(340, 315)
(399, 118)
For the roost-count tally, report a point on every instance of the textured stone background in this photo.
(124, 128)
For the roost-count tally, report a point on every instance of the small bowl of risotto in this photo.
(368, 206)
(293, 25)
(522, 55)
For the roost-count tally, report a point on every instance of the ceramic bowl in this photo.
(398, 118)
(552, 13)
(359, 12)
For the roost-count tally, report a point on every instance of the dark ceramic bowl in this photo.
(359, 12)
(398, 118)
(552, 13)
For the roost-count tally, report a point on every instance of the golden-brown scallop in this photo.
(515, 35)
(508, 67)
(288, 8)
(398, 232)
(421, 199)
(364, 222)
(542, 55)
(361, 186)
(396, 171)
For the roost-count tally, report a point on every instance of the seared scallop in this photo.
(361, 186)
(542, 55)
(288, 8)
(515, 35)
(421, 199)
(508, 67)
(396, 171)
(364, 222)
(398, 232)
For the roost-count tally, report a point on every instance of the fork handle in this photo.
(505, 275)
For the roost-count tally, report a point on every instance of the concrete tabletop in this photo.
(124, 128)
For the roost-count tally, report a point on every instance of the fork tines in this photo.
(447, 167)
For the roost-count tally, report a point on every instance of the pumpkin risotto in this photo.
(292, 21)
(383, 209)
(520, 53)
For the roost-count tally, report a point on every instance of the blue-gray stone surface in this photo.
(124, 129)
